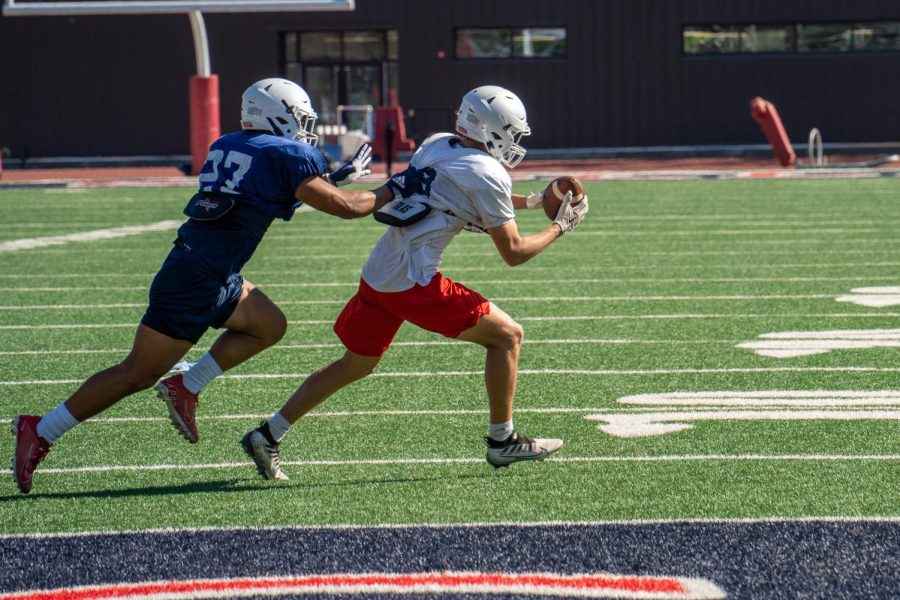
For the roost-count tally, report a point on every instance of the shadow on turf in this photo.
(227, 485)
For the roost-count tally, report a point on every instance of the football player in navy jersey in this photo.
(251, 177)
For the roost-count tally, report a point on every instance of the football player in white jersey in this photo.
(402, 281)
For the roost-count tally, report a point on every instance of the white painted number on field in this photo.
(669, 414)
(873, 297)
(788, 344)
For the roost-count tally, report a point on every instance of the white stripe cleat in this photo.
(517, 448)
(259, 445)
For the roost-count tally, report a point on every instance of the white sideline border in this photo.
(476, 525)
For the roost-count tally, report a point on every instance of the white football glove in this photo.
(534, 199)
(570, 215)
(353, 169)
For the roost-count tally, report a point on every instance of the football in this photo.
(556, 190)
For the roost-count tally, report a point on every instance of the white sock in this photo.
(500, 431)
(198, 376)
(55, 423)
(278, 426)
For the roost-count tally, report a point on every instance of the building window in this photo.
(883, 36)
(529, 42)
(343, 68)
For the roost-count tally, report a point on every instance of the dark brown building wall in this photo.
(91, 86)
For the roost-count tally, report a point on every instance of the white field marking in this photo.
(752, 252)
(478, 461)
(541, 282)
(660, 423)
(873, 297)
(437, 412)
(768, 399)
(310, 346)
(480, 373)
(790, 344)
(471, 525)
(343, 301)
(87, 236)
(342, 414)
(551, 319)
(700, 232)
(755, 406)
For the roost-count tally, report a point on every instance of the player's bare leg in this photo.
(502, 338)
(255, 324)
(151, 356)
(326, 381)
(262, 444)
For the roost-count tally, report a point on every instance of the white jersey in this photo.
(468, 183)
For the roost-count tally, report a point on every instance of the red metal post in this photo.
(204, 99)
(765, 113)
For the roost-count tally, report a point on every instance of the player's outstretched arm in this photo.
(532, 200)
(516, 249)
(346, 204)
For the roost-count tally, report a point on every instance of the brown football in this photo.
(556, 190)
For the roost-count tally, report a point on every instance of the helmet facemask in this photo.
(512, 153)
(306, 124)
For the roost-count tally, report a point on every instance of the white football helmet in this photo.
(495, 117)
(281, 107)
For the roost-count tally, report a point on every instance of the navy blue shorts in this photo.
(186, 300)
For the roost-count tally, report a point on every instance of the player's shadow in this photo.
(234, 485)
(159, 490)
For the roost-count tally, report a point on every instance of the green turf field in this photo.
(651, 295)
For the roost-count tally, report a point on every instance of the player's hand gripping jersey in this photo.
(248, 180)
(469, 189)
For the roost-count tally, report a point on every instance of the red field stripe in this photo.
(524, 583)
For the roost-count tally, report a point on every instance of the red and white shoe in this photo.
(30, 450)
(182, 406)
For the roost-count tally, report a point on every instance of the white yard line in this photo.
(480, 373)
(86, 236)
(556, 342)
(342, 301)
(358, 413)
(479, 461)
(640, 317)
(355, 281)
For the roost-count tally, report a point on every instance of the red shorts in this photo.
(369, 322)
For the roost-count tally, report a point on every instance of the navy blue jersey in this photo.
(260, 170)
(248, 180)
